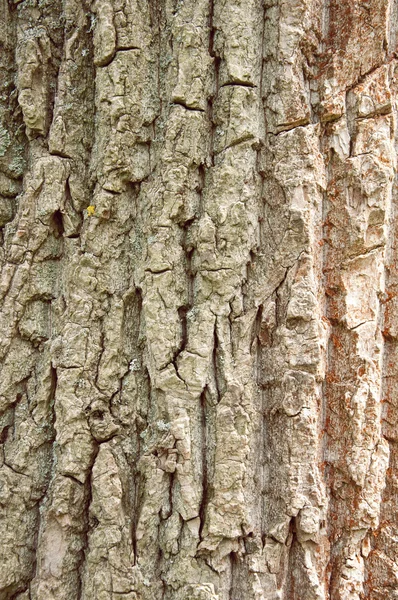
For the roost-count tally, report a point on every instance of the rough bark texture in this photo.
(199, 309)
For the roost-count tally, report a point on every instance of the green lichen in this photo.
(5, 140)
(17, 166)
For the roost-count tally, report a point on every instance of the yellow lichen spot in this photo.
(90, 210)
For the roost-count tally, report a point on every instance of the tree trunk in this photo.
(199, 314)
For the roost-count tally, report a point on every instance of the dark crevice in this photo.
(257, 326)
(363, 77)
(4, 434)
(171, 486)
(101, 353)
(53, 389)
(184, 309)
(380, 112)
(17, 594)
(14, 470)
(212, 129)
(134, 516)
(72, 478)
(150, 395)
(234, 564)
(250, 276)
(182, 313)
(205, 485)
(238, 84)
(188, 250)
(60, 154)
(294, 566)
(262, 54)
(217, 62)
(87, 525)
(210, 566)
(191, 277)
(164, 584)
(126, 48)
(57, 224)
(237, 142)
(286, 127)
(215, 363)
(141, 423)
(159, 272)
(112, 58)
(200, 188)
(184, 105)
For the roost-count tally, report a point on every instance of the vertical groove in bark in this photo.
(197, 329)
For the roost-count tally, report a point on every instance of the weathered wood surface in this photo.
(199, 314)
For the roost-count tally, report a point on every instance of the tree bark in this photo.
(198, 330)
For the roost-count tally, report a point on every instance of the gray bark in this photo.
(198, 295)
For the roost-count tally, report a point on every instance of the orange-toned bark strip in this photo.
(358, 113)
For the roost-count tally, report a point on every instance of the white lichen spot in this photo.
(162, 426)
(134, 365)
